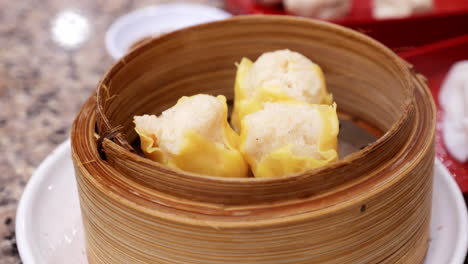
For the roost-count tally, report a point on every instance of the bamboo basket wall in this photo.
(371, 207)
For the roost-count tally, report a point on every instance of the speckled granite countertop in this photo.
(44, 79)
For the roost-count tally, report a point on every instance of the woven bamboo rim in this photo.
(371, 207)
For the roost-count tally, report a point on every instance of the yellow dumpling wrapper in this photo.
(287, 138)
(278, 76)
(193, 136)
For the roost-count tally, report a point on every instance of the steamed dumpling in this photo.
(193, 136)
(287, 138)
(277, 76)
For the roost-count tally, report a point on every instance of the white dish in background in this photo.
(49, 228)
(156, 20)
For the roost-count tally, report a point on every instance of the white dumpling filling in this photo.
(201, 113)
(293, 73)
(454, 101)
(278, 125)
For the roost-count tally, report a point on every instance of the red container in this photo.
(409, 33)
(434, 61)
(361, 9)
(448, 19)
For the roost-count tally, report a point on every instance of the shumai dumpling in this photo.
(287, 138)
(277, 76)
(193, 136)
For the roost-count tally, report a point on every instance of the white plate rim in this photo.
(25, 203)
(462, 243)
(212, 12)
(39, 175)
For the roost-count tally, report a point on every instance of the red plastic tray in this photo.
(406, 34)
(361, 9)
(448, 20)
(434, 61)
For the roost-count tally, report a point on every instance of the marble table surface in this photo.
(46, 73)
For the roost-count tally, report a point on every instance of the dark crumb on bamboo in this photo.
(363, 208)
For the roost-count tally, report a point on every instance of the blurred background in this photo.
(53, 53)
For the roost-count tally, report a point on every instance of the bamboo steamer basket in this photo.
(372, 206)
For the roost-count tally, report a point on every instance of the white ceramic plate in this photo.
(49, 228)
(156, 20)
